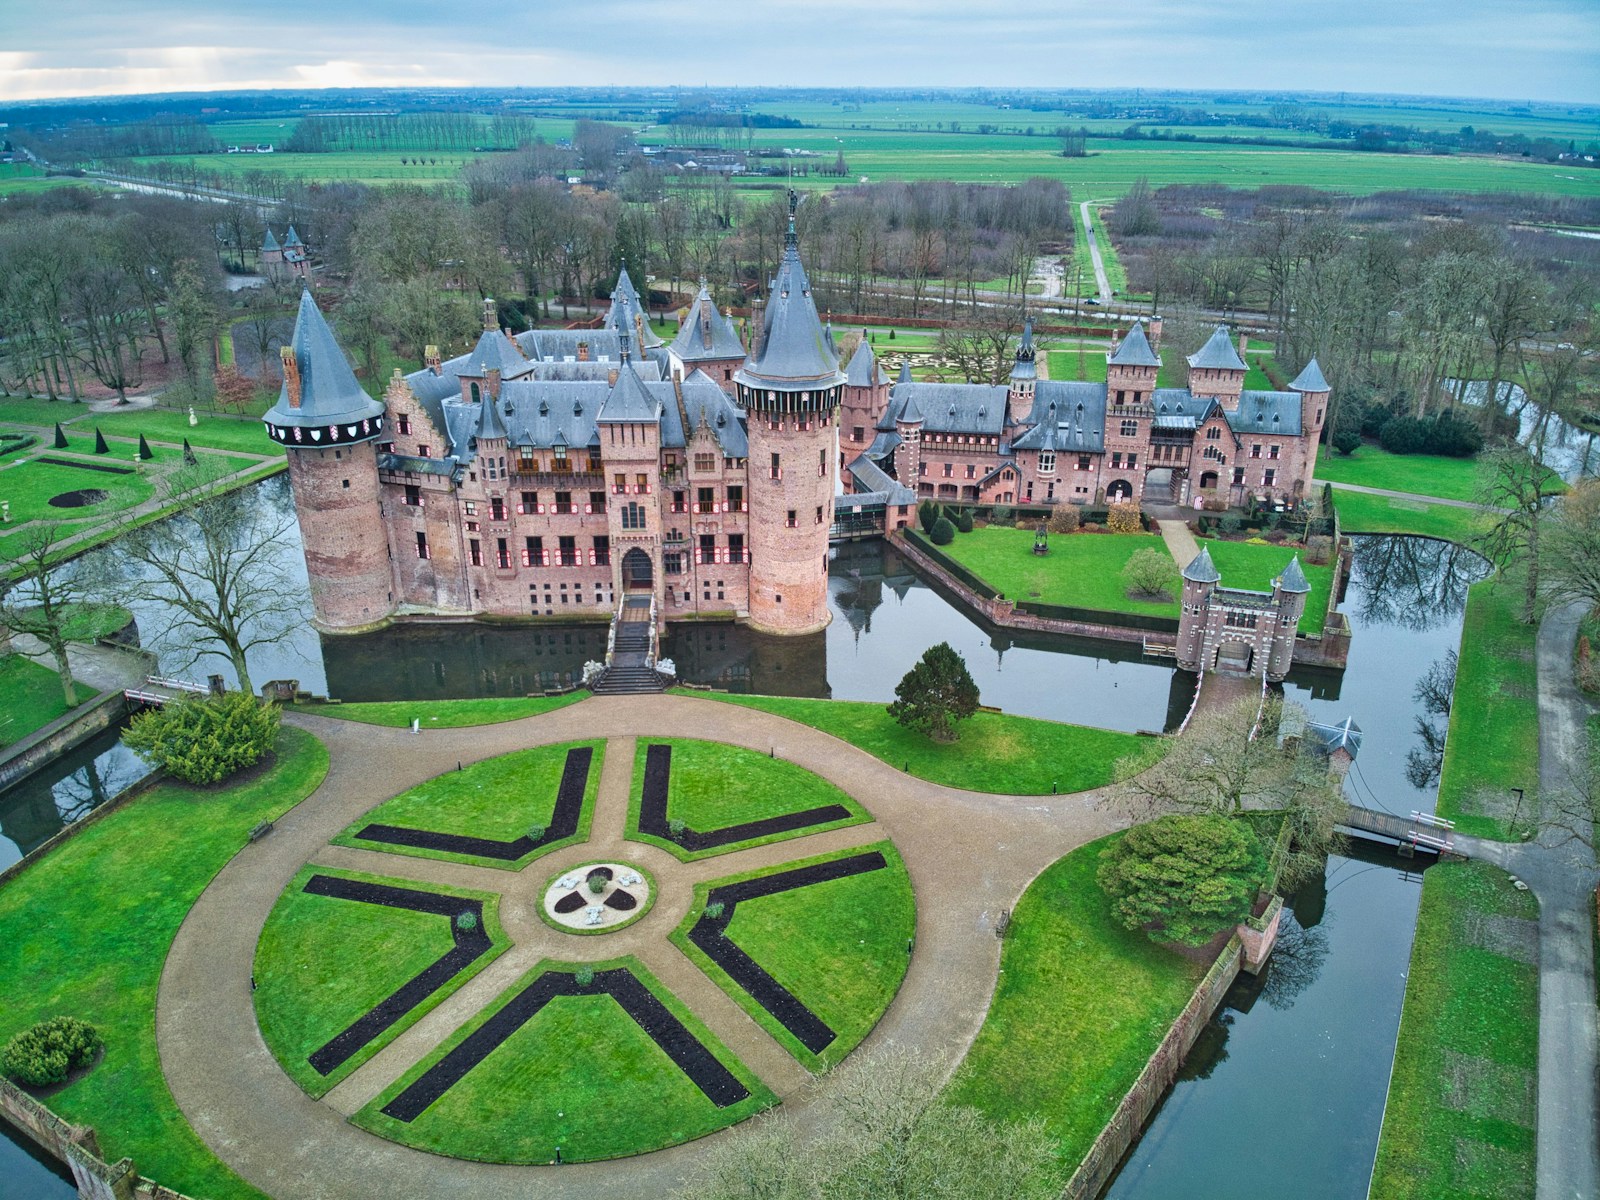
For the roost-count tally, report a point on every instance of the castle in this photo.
(552, 473)
(284, 259)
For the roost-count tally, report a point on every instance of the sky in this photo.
(1513, 49)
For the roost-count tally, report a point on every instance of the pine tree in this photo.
(935, 694)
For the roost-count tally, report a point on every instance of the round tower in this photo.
(1289, 592)
(330, 427)
(790, 389)
(1024, 375)
(1200, 579)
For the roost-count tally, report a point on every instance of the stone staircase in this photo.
(628, 674)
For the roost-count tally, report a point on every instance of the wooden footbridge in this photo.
(1418, 833)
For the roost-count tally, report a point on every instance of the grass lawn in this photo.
(29, 486)
(1419, 474)
(1082, 570)
(84, 931)
(33, 697)
(996, 752)
(837, 946)
(25, 410)
(580, 1075)
(1493, 742)
(499, 798)
(443, 714)
(714, 785)
(323, 961)
(1247, 565)
(1460, 1117)
(1361, 513)
(1080, 1006)
(214, 431)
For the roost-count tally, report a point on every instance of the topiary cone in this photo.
(145, 452)
(61, 437)
(100, 446)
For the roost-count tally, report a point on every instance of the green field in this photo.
(995, 752)
(322, 962)
(1064, 364)
(443, 714)
(85, 930)
(841, 947)
(1460, 1116)
(1418, 474)
(1361, 513)
(33, 697)
(1080, 1006)
(213, 430)
(29, 487)
(580, 1076)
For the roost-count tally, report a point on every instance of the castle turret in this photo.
(866, 397)
(791, 388)
(629, 425)
(908, 454)
(1289, 592)
(707, 341)
(628, 314)
(1131, 370)
(1216, 370)
(1200, 579)
(1024, 374)
(1314, 393)
(329, 427)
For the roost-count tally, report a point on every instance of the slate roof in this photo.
(1135, 350)
(1267, 412)
(863, 370)
(625, 303)
(1345, 735)
(329, 393)
(705, 333)
(629, 400)
(490, 424)
(494, 351)
(1218, 354)
(417, 466)
(880, 487)
(1310, 379)
(268, 242)
(793, 348)
(971, 408)
(1293, 578)
(1025, 367)
(1068, 415)
(1201, 569)
(291, 239)
(555, 345)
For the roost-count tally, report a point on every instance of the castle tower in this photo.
(627, 313)
(329, 426)
(866, 396)
(791, 388)
(1131, 370)
(629, 424)
(1289, 592)
(908, 454)
(1314, 392)
(1216, 370)
(271, 256)
(1024, 374)
(707, 341)
(1200, 579)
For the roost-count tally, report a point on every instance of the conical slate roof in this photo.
(1201, 569)
(1218, 354)
(1135, 350)
(625, 302)
(793, 350)
(268, 242)
(292, 238)
(863, 368)
(705, 333)
(495, 351)
(490, 424)
(1310, 379)
(905, 371)
(1025, 367)
(629, 402)
(329, 393)
(1293, 578)
(910, 414)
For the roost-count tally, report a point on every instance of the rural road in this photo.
(1100, 280)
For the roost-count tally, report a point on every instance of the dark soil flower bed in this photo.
(639, 1002)
(653, 812)
(106, 468)
(469, 944)
(707, 933)
(81, 498)
(563, 822)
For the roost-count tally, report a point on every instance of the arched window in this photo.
(476, 395)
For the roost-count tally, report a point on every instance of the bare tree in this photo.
(40, 599)
(982, 346)
(1572, 545)
(1511, 487)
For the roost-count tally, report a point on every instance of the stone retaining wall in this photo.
(74, 1145)
(1125, 1125)
(62, 734)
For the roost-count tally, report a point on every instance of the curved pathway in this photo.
(968, 854)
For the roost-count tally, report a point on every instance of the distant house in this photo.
(282, 259)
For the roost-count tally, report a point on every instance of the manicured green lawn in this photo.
(1246, 565)
(33, 697)
(1419, 474)
(840, 947)
(580, 1075)
(996, 752)
(29, 486)
(1080, 1006)
(443, 714)
(214, 430)
(1493, 742)
(713, 785)
(1460, 1116)
(322, 962)
(1361, 513)
(1082, 570)
(23, 410)
(498, 798)
(85, 930)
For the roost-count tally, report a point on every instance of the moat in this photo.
(1326, 1016)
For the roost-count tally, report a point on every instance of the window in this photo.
(472, 508)
(530, 502)
(1120, 396)
(972, 471)
(705, 462)
(736, 499)
(1238, 475)
(736, 547)
(568, 549)
(819, 514)
(413, 495)
(1255, 449)
(526, 462)
(705, 500)
(1047, 462)
(602, 552)
(403, 423)
(594, 461)
(1270, 477)
(346, 484)
(1130, 428)
(424, 450)
(822, 461)
(560, 463)
(632, 516)
(859, 434)
(708, 548)
(475, 550)
(672, 564)
(922, 468)
(1133, 460)
(642, 483)
(619, 483)
(533, 552)
(1240, 620)
(564, 503)
(949, 470)
(597, 502)
(422, 545)
(777, 465)
(1083, 462)
(790, 519)
(502, 554)
(1116, 459)
(1272, 451)
(497, 509)
(1213, 434)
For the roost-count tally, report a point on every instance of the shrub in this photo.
(583, 976)
(1346, 440)
(675, 827)
(1124, 518)
(964, 521)
(1149, 573)
(1064, 519)
(1319, 550)
(47, 1052)
(1275, 536)
(1453, 437)
(466, 921)
(1230, 522)
(1184, 877)
(927, 515)
(536, 832)
(597, 884)
(715, 909)
(205, 739)
(1000, 515)
(943, 532)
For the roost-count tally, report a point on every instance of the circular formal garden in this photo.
(591, 1051)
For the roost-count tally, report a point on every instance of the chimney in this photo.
(583, 351)
(1244, 345)
(430, 356)
(1155, 333)
(291, 374)
(493, 384)
(611, 377)
(638, 328)
(491, 317)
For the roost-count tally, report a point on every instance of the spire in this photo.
(489, 423)
(1201, 569)
(1025, 352)
(793, 347)
(905, 371)
(491, 316)
(1293, 578)
(268, 242)
(1310, 379)
(910, 414)
(292, 238)
(318, 375)
(791, 240)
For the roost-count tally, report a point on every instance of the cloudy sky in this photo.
(1523, 49)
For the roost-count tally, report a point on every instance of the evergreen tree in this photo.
(935, 694)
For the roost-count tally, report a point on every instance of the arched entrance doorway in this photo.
(638, 575)
(1208, 480)
(1120, 490)
(1235, 657)
(1161, 486)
